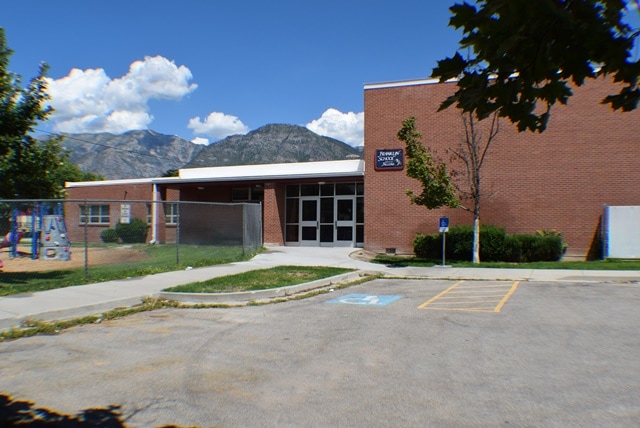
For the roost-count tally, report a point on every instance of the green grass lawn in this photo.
(261, 279)
(160, 258)
(400, 261)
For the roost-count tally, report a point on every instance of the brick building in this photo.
(560, 179)
(588, 157)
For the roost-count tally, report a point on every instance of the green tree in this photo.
(437, 188)
(171, 173)
(71, 172)
(28, 167)
(520, 52)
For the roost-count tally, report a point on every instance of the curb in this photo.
(65, 314)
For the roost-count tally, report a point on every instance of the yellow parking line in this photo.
(506, 297)
(471, 298)
(441, 294)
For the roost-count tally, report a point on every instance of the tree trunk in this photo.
(476, 239)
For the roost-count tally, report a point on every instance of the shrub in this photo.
(495, 245)
(548, 248)
(109, 236)
(460, 243)
(428, 246)
(134, 232)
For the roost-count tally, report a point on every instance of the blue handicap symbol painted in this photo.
(365, 299)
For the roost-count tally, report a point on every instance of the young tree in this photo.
(472, 153)
(524, 51)
(441, 189)
(27, 166)
(437, 189)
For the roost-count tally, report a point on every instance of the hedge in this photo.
(495, 245)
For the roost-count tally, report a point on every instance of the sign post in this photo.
(444, 228)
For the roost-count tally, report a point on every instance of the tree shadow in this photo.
(22, 413)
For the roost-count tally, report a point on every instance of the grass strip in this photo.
(158, 259)
(261, 279)
(610, 264)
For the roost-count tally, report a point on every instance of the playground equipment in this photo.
(47, 230)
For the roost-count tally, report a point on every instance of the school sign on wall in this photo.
(389, 159)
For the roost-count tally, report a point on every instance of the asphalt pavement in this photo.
(91, 299)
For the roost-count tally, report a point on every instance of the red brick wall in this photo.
(119, 193)
(271, 214)
(559, 179)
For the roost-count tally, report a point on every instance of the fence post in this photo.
(86, 241)
(178, 235)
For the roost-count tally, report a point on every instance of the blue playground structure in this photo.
(48, 232)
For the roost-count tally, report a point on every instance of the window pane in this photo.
(292, 211)
(292, 233)
(326, 233)
(359, 210)
(293, 190)
(326, 210)
(326, 190)
(345, 209)
(309, 190)
(344, 233)
(310, 210)
(257, 193)
(309, 233)
(345, 189)
(240, 194)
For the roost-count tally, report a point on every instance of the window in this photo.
(94, 214)
(247, 194)
(171, 213)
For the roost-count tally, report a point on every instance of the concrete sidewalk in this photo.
(93, 299)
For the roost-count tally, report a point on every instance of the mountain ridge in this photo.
(147, 153)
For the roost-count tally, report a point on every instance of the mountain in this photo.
(275, 143)
(146, 154)
(134, 154)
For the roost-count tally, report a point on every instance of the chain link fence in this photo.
(57, 243)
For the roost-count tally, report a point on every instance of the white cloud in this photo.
(217, 125)
(201, 141)
(90, 101)
(347, 127)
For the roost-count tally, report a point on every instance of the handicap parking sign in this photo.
(444, 224)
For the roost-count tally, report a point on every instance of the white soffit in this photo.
(326, 169)
(280, 171)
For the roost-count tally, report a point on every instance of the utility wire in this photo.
(69, 137)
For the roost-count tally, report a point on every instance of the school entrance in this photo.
(325, 214)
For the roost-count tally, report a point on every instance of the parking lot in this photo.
(382, 353)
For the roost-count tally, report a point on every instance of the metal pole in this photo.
(444, 234)
(86, 241)
(178, 235)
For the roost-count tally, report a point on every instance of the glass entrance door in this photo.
(309, 221)
(345, 221)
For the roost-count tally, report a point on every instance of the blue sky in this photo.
(206, 69)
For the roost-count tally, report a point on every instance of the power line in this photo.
(69, 137)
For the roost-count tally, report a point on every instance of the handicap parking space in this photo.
(441, 295)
